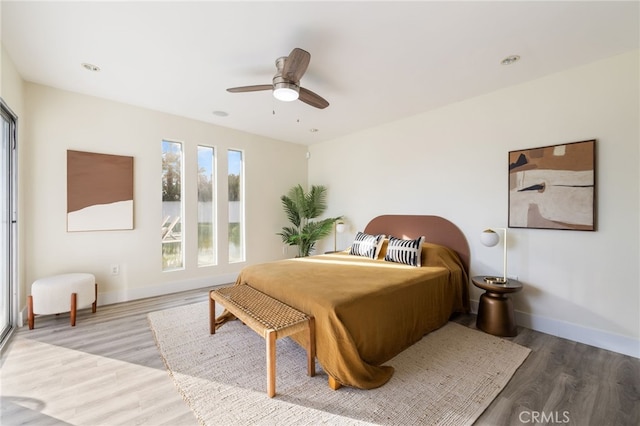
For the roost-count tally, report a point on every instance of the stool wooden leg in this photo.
(311, 350)
(94, 305)
(30, 317)
(212, 315)
(271, 363)
(73, 309)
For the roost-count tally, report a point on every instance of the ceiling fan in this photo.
(286, 83)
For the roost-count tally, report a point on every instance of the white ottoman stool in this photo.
(62, 293)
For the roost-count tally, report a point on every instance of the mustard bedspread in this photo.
(366, 311)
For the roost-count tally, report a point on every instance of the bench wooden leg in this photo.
(212, 315)
(74, 297)
(271, 363)
(30, 316)
(311, 350)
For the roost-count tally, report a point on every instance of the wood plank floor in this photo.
(107, 371)
(565, 382)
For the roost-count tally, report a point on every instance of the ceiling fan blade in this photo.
(296, 64)
(255, 88)
(308, 97)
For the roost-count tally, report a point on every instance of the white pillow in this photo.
(408, 252)
(367, 245)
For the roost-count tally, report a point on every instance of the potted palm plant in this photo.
(301, 208)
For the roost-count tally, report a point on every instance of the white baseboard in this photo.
(126, 295)
(166, 288)
(578, 333)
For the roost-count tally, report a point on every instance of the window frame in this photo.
(169, 225)
(214, 206)
(241, 208)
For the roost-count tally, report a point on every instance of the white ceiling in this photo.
(374, 62)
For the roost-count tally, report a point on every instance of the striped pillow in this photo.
(367, 245)
(408, 252)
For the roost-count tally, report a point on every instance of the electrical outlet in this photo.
(115, 269)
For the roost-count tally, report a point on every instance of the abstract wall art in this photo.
(553, 187)
(99, 191)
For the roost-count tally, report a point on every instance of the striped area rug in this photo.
(448, 378)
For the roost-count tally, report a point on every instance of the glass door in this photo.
(7, 222)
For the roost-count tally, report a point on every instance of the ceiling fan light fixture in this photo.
(285, 85)
(285, 91)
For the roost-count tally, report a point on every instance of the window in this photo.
(8, 227)
(236, 206)
(206, 207)
(172, 207)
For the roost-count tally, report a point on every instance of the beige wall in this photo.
(59, 120)
(452, 162)
(11, 84)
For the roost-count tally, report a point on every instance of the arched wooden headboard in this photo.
(436, 229)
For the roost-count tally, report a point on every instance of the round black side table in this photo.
(495, 309)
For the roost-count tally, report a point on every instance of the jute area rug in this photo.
(447, 378)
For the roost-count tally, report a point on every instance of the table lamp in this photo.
(340, 227)
(490, 238)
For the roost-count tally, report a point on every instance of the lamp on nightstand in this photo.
(340, 227)
(490, 238)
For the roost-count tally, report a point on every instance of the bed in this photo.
(367, 310)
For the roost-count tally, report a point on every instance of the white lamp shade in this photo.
(489, 237)
(285, 92)
(340, 227)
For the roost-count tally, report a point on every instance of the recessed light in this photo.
(220, 113)
(90, 67)
(313, 130)
(510, 60)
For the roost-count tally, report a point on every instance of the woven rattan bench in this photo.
(268, 317)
